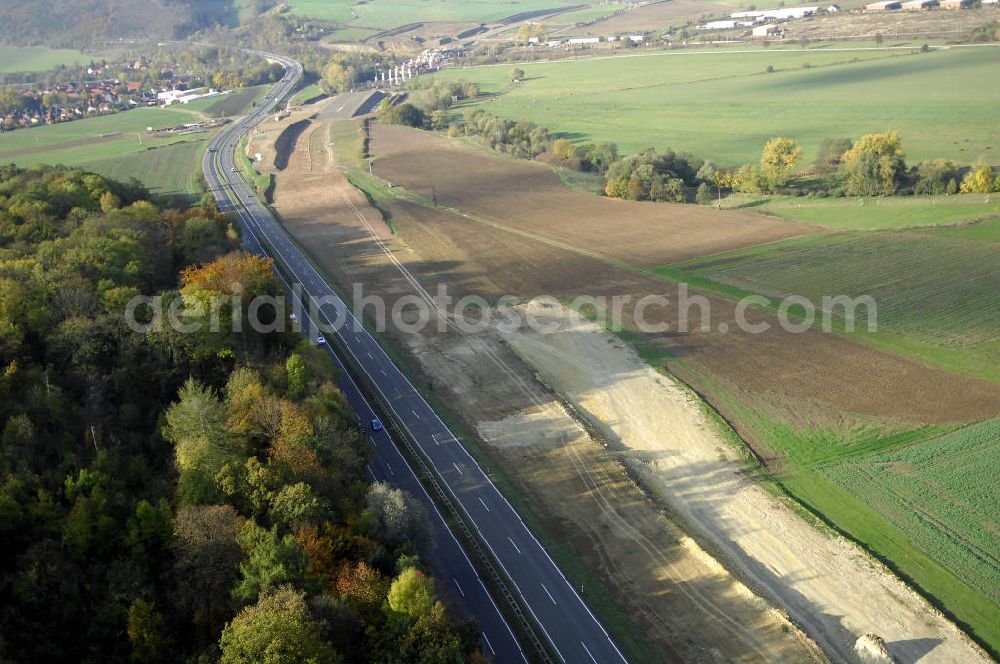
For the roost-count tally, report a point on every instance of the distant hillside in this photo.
(88, 22)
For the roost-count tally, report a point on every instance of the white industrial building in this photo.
(782, 14)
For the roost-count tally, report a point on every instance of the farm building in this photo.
(884, 6)
(766, 31)
(721, 25)
(584, 40)
(917, 5)
(956, 4)
(785, 13)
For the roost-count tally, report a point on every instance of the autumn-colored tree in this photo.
(299, 375)
(109, 202)
(276, 630)
(317, 546)
(874, 165)
(244, 395)
(412, 593)
(563, 149)
(361, 584)
(439, 120)
(238, 273)
(979, 180)
(617, 188)
(777, 161)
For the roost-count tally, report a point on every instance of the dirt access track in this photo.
(564, 435)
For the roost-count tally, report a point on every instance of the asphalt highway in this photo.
(564, 618)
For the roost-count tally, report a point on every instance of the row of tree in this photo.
(874, 165)
(172, 496)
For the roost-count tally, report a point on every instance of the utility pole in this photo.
(434, 196)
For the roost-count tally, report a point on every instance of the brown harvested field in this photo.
(811, 379)
(529, 196)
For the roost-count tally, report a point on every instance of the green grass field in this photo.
(386, 14)
(306, 93)
(943, 291)
(723, 106)
(897, 493)
(236, 102)
(117, 146)
(171, 169)
(942, 494)
(39, 58)
(352, 34)
(874, 213)
(937, 291)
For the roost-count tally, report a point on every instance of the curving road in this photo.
(574, 633)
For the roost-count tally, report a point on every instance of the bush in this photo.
(704, 194)
(404, 114)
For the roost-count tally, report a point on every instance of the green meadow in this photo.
(875, 213)
(40, 58)
(724, 105)
(116, 146)
(387, 14)
(235, 102)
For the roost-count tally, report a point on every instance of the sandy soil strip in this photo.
(827, 584)
(688, 606)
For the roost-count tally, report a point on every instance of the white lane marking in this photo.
(369, 469)
(369, 355)
(514, 545)
(434, 437)
(415, 413)
(483, 504)
(389, 467)
(588, 652)
(384, 373)
(488, 644)
(549, 594)
(254, 221)
(457, 468)
(458, 586)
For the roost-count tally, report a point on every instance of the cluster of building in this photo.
(181, 95)
(585, 41)
(71, 101)
(918, 5)
(102, 90)
(756, 17)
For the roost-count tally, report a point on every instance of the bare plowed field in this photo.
(811, 378)
(530, 196)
